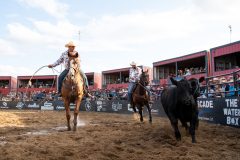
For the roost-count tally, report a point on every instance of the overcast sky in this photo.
(113, 32)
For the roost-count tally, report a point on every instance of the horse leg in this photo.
(134, 108)
(68, 116)
(149, 112)
(135, 114)
(140, 113)
(76, 110)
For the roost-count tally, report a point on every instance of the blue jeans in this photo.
(131, 86)
(64, 74)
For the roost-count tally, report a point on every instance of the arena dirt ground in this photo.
(28, 135)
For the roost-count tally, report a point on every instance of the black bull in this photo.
(180, 103)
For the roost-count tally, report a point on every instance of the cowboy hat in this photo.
(133, 63)
(70, 44)
(223, 80)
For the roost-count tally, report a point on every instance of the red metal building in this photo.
(225, 59)
(196, 63)
(7, 84)
(46, 83)
(94, 80)
(118, 78)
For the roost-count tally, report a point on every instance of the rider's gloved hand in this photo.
(50, 66)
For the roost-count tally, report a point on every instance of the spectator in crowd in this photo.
(211, 92)
(180, 73)
(218, 91)
(187, 72)
(231, 90)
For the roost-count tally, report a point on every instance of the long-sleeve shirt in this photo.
(64, 58)
(134, 74)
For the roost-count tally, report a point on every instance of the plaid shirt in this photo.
(134, 74)
(63, 59)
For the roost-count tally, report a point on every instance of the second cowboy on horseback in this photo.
(134, 76)
(64, 58)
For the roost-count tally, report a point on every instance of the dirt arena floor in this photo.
(103, 136)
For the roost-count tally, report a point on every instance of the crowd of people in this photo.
(37, 85)
(213, 88)
(221, 87)
(191, 71)
(98, 94)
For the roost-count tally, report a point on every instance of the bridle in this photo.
(143, 83)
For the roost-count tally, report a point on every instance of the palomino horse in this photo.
(72, 91)
(140, 96)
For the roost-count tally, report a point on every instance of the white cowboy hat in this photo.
(133, 63)
(70, 44)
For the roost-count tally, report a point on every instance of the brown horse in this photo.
(72, 91)
(140, 96)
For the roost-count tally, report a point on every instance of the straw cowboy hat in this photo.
(70, 44)
(133, 63)
(223, 80)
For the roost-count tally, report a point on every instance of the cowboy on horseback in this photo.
(65, 58)
(134, 76)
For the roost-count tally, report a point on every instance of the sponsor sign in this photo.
(101, 106)
(33, 106)
(231, 112)
(60, 108)
(20, 105)
(206, 109)
(116, 106)
(224, 111)
(4, 105)
(72, 106)
(88, 106)
(47, 106)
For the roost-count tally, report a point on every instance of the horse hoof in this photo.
(74, 128)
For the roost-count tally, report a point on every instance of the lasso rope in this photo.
(30, 83)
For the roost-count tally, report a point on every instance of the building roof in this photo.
(90, 73)
(37, 77)
(181, 58)
(120, 70)
(116, 70)
(6, 77)
(225, 49)
(226, 45)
